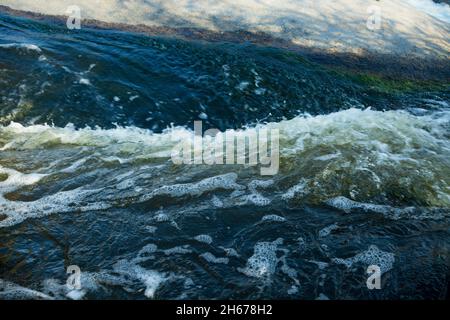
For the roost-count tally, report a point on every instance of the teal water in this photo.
(88, 121)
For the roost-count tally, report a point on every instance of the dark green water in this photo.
(89, 119)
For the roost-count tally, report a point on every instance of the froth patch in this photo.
(21, 46)
(150, 279)
(128, 274)
(273, 218)
(204, 238)
(225, 181)
(177, 250)
(15, 179)
(347, 205)
(373, 256)
(208, 256)
(381, 154)
(35, 136)
(264, 260)
(61, 202)
(10, 290)
(378, 152)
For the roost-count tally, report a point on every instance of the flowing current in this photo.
(88, 123)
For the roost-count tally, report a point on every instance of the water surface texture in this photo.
(88, 122)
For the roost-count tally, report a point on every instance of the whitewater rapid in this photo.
(354, 156)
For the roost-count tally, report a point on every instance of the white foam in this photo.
(208, 256)
(204, 238)
(347, 205)
(76, 294)
(26, 46)
(150, 279)
(328, 157)
(55, 289)
(373, 256)
(225, 181)
(35, 136)
(9, 290)
(161, 217)
(292, 290)
(264, 260)
(74, 166)
(124, 274)
(298, 189)
(61, 202)
(290, 272)
(16, 179)
(177, 250)
(373, 146)
(146, 253)
(217, 202)
(230, 252)
(257, 199)
(260, 184)
(84, 81)
(273, 218)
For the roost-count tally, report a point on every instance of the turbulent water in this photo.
(88, 122)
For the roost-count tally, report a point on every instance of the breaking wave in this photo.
(393, 158)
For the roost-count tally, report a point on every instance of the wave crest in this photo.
(392, 158)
